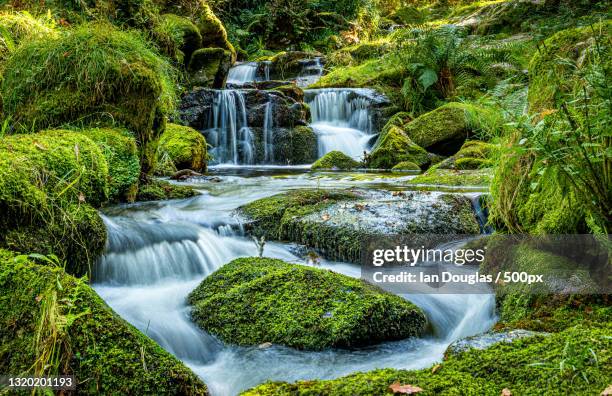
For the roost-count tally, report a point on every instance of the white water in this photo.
(311, 73)
(268, 136)
(341, 119)
(242, 73)
(158, 253)
(228, 131)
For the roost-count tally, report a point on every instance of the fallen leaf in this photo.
(404, 389)
(81, 197)
(506, 392)
(326, 217)
(435, 368)
(588, 310)
(39, 146)
(607, 391)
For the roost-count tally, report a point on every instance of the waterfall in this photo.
(267, 65)
(312, 70)
(242, 73)
(228, 131)
(268, 134)
(482, 212)
(341, 119)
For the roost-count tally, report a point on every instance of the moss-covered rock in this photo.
(17, 27)
(406, 166)
(297, 145)
(529, 366)
(474, 154)
(255, 300)
(208, 67)
(550, 75)
(159, 190)
(179, 37)
(212, 30)
(180, 147)
(448, 177)
(445, 129)
(292, 91)
(394, 146)
(54, 324)
(91, 73)
(408, 15)
(336, 160)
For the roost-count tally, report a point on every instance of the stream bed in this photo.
(158, 252)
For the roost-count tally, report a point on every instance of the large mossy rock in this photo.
(208, 67)
(294, 146)
(54, 324)
(516, 366)
(180, 147)
(394, 146)
(337, 223)
(251, 301)
(47, 183)
(551, 74)
(451, 177)
(335, 160)
(474, 154)
(93, 73)
(445, 129)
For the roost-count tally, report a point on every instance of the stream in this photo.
(159, 252)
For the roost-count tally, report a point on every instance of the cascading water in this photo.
(341, 119)
(242, 74)
(157, 254)
(268, 135)
(228, 131)
(312, 70)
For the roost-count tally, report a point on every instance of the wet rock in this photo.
(209, 67)
(488, 339)
(185, 174)
(335, 160)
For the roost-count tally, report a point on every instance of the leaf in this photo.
(428, 78)
(506, 392)
(404, 389)
(435, 368)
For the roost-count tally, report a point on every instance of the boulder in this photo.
(335, 160)
(474, 154)
(252, 301)
(406, 166)
(208, 67)
(488, 339)
(180, 147)
(394, 146)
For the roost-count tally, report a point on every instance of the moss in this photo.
(93, 73)
(159, 190)
(181, 147)
(209, 66)
(18, 27)
(406, 166)
(255, 300)
(408, 16)
(394, 146)
(45, 311)
(296, 146)
(445, 177)
(532, 366)
(291, 91)
(444, 129)
(179, 37)
(335, 160)
(212, 30)
(358, 53)
(550, 75)
(474, 154)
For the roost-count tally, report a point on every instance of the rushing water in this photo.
(342, 119)
(158, 252)
(243, 73)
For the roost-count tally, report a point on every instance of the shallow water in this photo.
(159, 252)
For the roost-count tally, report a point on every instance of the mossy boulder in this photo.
(292, 91)
(21, 26)
(394, 146)
(179, 36)
(406, 166)
(209, 67)
(474, 154)
(89, 74)
(551, 76)
(160, 190)
(445, 129)
(335, 160)
(180, 147)
(296, 145)
(54, 324)
(255, 300)
(448, 177)
(524, 367)
(212, 30)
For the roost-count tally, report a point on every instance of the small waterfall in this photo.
(482, 212)
(228, 131)
(342, 120)
(242, 74)
(266, 66)
(268, 134)
(312, 70)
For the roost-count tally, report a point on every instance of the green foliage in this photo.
(335, 160)
(394, 146)
(93, 73)
(180, 147)
(20, 26)
(255, 300)
(178, 37)
(54, 324)
(575, 361)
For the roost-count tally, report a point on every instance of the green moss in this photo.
(445, 177)
(406, 166)
(90, 73)
(159, 190)
(550, 75)
(54, 324)
(335, 160)
(178, 36)
(212, 30)
(180, 147)
(474, 154)
(209, 66)
(408, 16)
(394, 146)
(255, 300)
(296, 146)
(291, 91)
(18, 27)
(575, 361)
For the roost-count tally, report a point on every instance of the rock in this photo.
(394, 146)
(159, 190)
(209, 67)
(445, 129)
(337, 223)
(488, 339)
(180, 147)
(184, 174)
(335, 160)
(45, 311)
(212, 30)
(473, 154)
(406, 166)
(251, 300)
(185, 37)
(295, 146)
(289, 64)
(447, 177)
